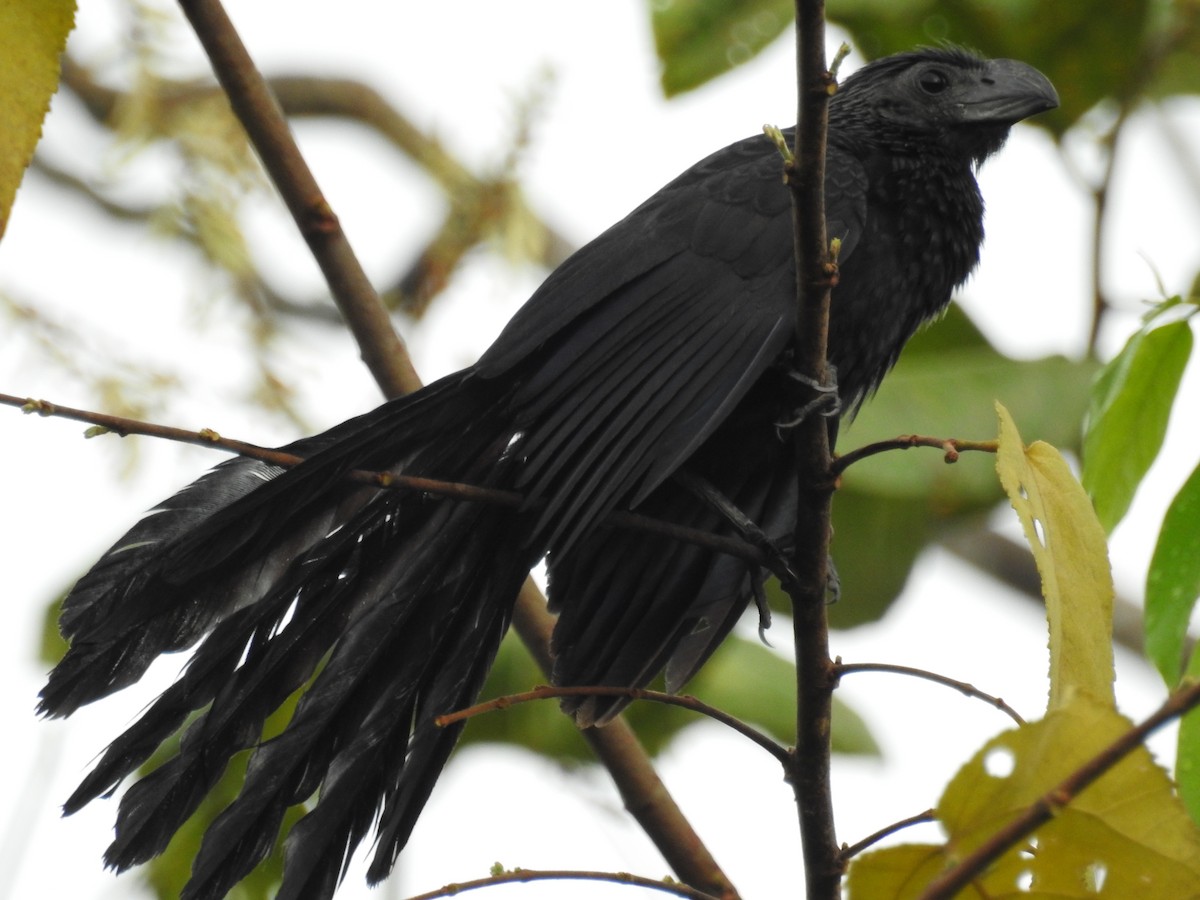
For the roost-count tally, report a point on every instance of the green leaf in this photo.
(1127, 420)
(1187, 755)
(1176, 70)
(697, 40)
(1173, 580)
(53, 645)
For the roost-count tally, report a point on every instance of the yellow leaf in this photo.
(1069, 545)
(1125, 836)
(33, 34)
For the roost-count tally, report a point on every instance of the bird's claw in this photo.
(833, 582)
(827, 403)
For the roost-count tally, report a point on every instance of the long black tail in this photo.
(283, 576)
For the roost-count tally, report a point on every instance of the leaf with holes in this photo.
(1127, 835)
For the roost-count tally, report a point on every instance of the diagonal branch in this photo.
(388, 361)
(256, 108)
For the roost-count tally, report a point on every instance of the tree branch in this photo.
(252, 102)
(810, 769)
(523, 876)
(967, 690)
(870, 840)
(685, 701)
(385, 355)
(950, 446)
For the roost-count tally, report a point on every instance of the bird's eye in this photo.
(933, 81)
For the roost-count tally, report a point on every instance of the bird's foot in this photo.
(826, 403)
(833, 582)
(778, 562)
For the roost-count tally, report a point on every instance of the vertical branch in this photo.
(814, 670)
(387, 359)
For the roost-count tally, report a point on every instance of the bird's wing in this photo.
(636, 350)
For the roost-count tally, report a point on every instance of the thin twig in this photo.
(950, 882)
(520, 876)
(686, 701)
(962, 687)
(387, 358)
(952, 447)
(852, 850)
(454, 490)
(1100, 195)
(809, 770)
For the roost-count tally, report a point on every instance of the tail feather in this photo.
(218, 545)
(292, 579)
(395, 667)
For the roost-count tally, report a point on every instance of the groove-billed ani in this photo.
(660, 347)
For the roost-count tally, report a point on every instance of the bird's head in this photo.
(944, 97)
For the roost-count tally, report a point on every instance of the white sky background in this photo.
(606, 141)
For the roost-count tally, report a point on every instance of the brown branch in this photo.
(952, 447)
(255, 107)
(968, 690)
(950, 882)
(852, 850)
(521, 876)
(809, 770)
(385, 355)
(686, 701)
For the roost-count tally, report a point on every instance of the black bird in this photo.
(660, 348)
